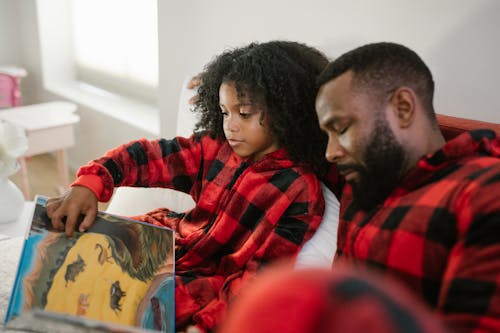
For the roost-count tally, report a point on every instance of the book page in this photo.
(120, 272)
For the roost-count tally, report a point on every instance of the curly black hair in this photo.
(282, 76)
(379, 68)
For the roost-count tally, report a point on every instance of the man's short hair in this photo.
(380, 68)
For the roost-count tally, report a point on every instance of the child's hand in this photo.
(64, 211)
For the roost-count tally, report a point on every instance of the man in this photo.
(418, 208)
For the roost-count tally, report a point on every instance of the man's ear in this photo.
(403, 103)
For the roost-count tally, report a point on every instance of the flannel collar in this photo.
(275, 160)
(468, 144)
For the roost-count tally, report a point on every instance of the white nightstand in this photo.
(49, 127)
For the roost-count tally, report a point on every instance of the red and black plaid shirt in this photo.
(246, 214)
(439, 232)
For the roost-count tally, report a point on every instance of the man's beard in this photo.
(384, 166)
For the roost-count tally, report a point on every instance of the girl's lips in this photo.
(233, 142)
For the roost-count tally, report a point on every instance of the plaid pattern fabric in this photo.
(246, 214)
(327, 301)
(439, 232)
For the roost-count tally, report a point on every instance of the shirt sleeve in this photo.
(164, 163)
(470, 292)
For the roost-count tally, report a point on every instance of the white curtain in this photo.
(116, 41)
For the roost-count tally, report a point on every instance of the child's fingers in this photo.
(52, 205)
(56, 219)
(88, 220)
(70, 225)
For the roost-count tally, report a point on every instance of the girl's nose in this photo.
(231, 123)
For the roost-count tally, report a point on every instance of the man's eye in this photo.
(343, 130)
(340, 128)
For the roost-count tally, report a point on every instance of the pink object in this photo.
(10, 94)
(10, 86)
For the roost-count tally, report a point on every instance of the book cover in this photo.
(119, 273)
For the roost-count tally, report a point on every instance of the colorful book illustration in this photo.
(120, 273)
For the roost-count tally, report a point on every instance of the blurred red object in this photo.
(314, 300)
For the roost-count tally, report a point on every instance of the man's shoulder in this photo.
(478, 165)
(465, 173)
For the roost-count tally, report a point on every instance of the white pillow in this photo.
(131, 201)
(320, 249)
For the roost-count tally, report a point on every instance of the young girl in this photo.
(251, 167)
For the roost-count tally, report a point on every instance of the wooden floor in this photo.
(43, 177)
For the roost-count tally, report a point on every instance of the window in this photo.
(116, 45)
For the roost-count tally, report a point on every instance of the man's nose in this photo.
(334, 151)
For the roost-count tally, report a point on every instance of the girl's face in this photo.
(246, 132)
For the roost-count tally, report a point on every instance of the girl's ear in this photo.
(403, 103)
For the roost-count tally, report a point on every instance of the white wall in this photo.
(18, 43)
(10, 46)
(457, 38)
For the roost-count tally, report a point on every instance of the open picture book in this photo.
(117, 276)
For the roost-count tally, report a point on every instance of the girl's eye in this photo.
(224, 113)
